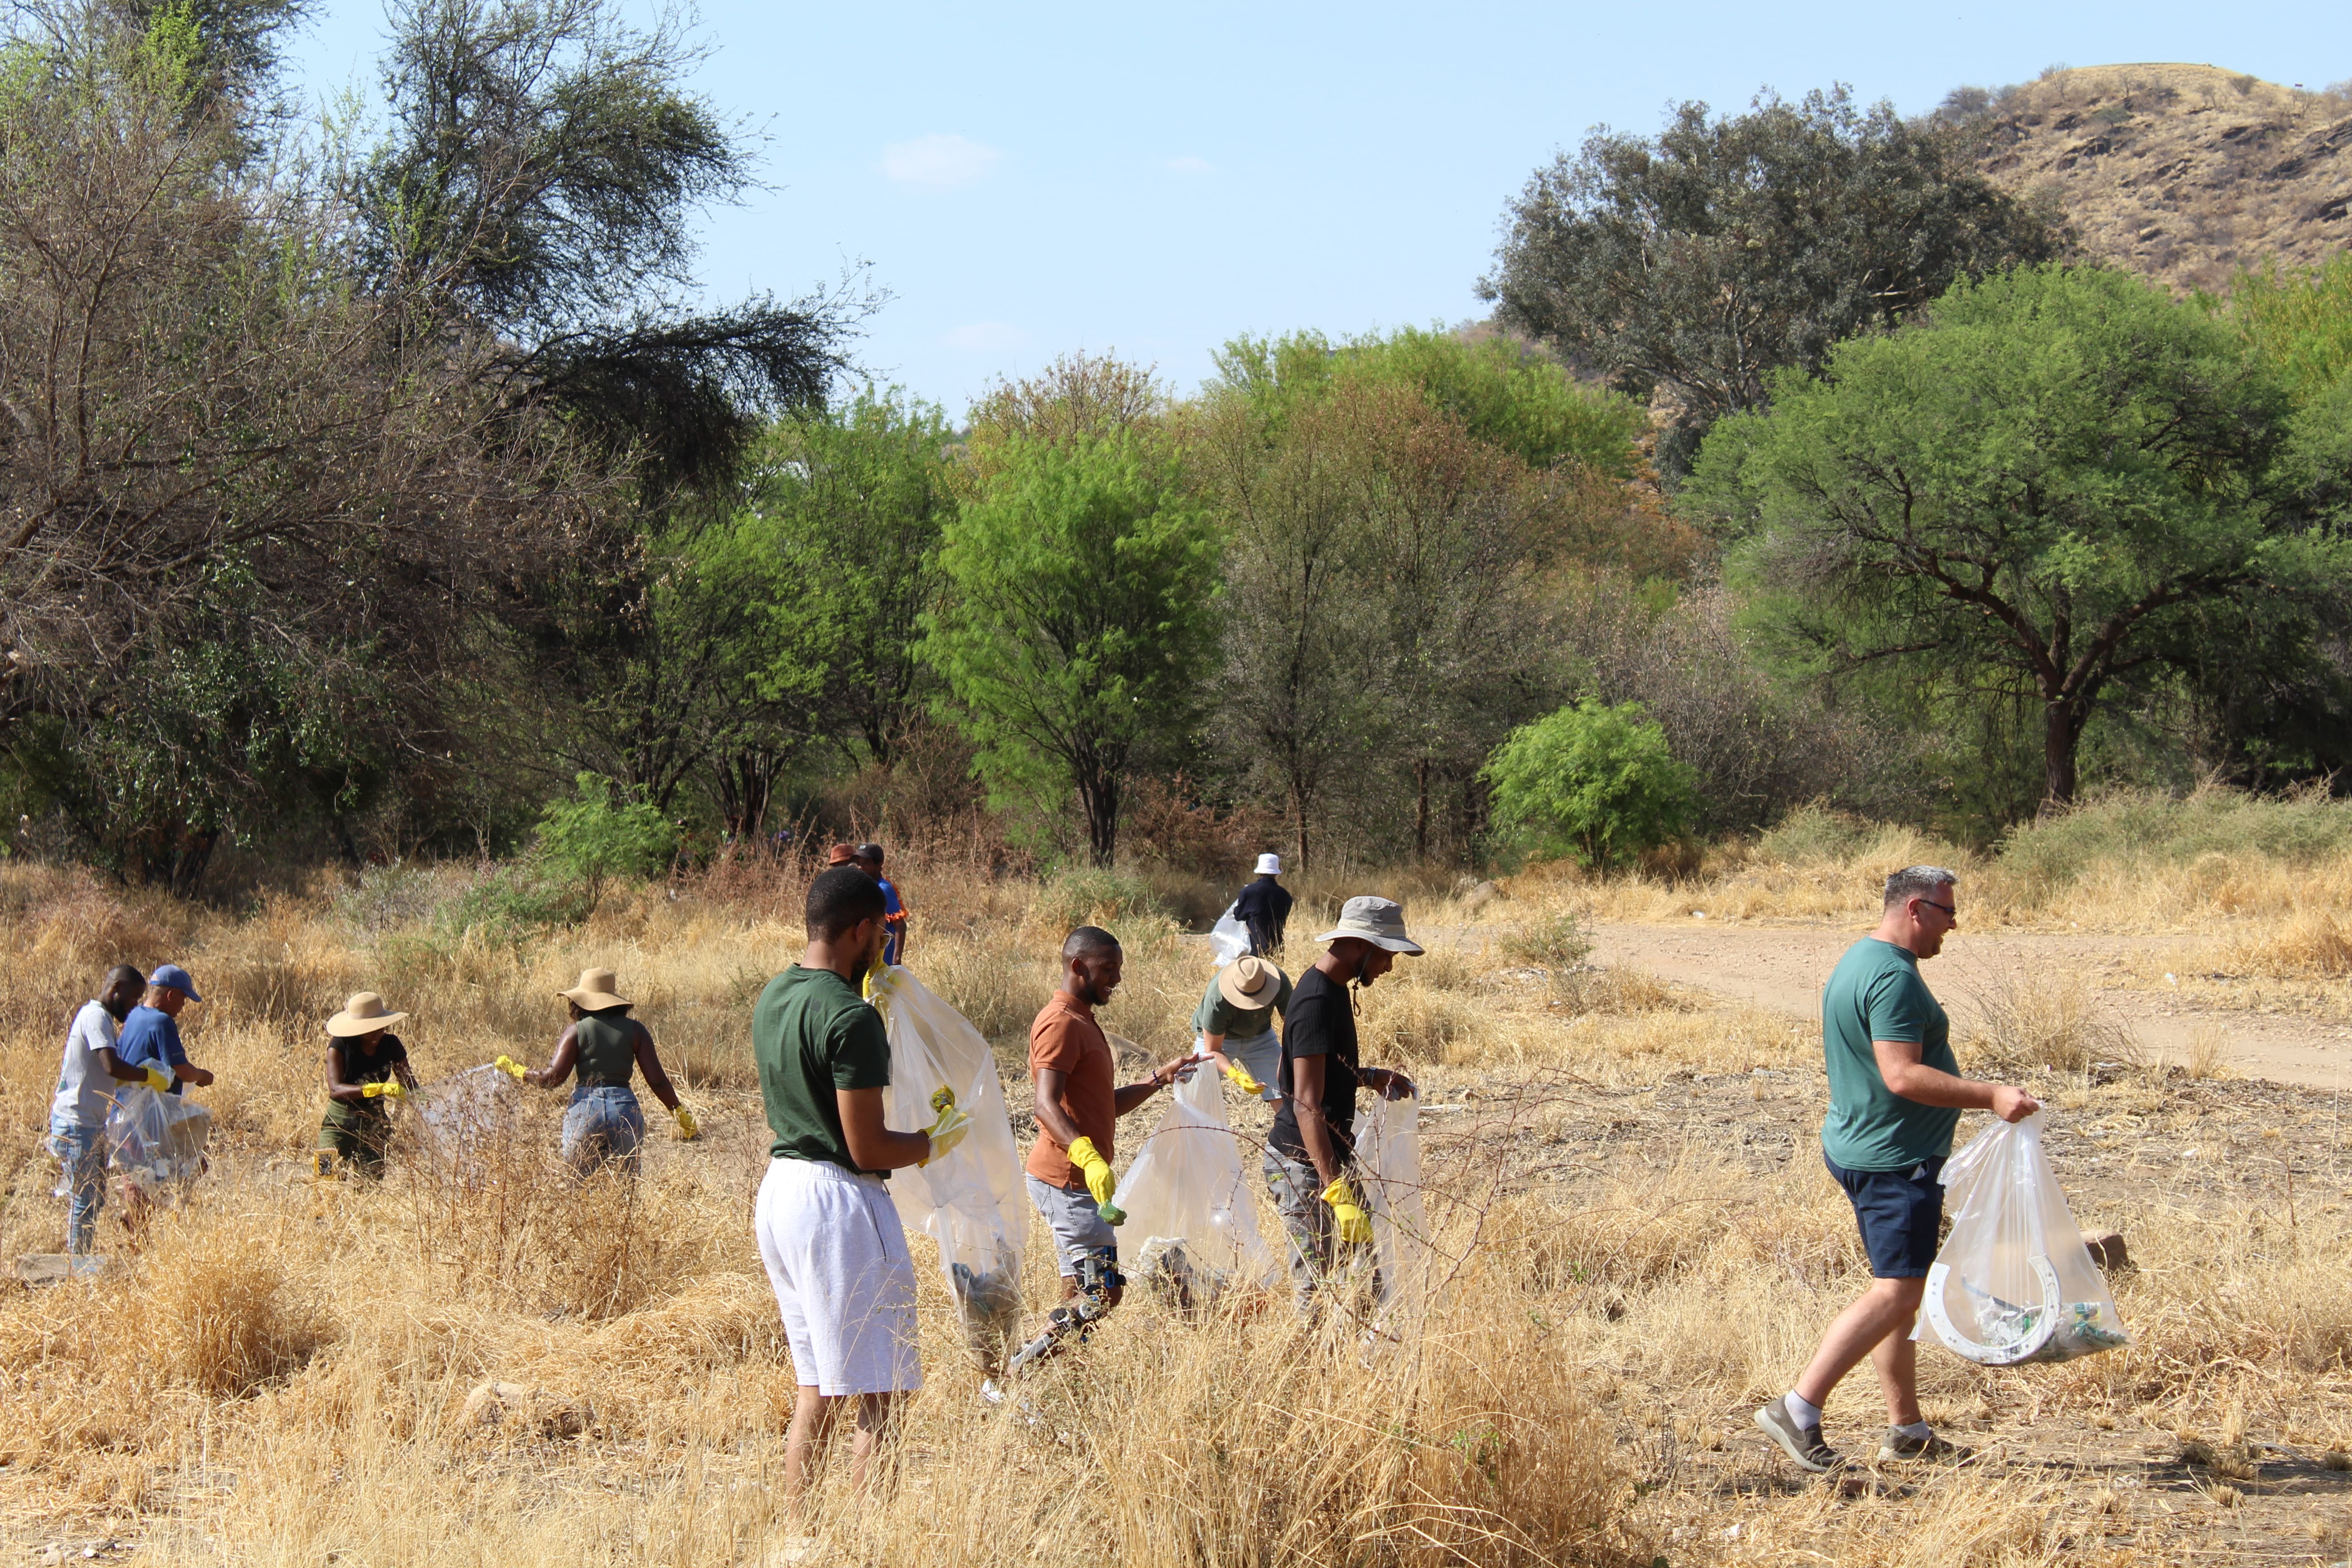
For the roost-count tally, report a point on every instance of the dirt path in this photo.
(1781, 968)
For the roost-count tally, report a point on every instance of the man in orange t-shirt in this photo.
(1078, 1103)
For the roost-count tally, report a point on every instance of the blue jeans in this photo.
(603, 1124)
(81, 1179)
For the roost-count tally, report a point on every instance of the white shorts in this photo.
(837, 1257)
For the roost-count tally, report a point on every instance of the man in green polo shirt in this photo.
(1895, 1096)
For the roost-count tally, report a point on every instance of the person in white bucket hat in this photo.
(1264, 906)
(1309, 1163)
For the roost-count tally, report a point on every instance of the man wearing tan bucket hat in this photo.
(1310, 1149)
(608, 1048)
(1235, 1021)
(366, 1066)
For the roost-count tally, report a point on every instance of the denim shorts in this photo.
(602, 1123)
(1900, 1213)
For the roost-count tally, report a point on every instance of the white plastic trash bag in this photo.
(971, 1201)
(464, 1121)
(1192, 1223)
(2013, 1282)
(1388, 1158)
(1229, 938)
(156, 1141)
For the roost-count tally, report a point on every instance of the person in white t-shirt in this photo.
(86, 1081)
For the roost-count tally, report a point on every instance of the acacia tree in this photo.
(1076, 625)
(1699, 261)
(2061, 474)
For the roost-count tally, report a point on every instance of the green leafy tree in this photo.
(601, 831)
(2062, 478)
(1591, 781)
(1699, 261)
(1076, 624)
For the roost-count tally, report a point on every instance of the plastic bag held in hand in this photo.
(1388, 1161)
(2013, 1282)
(969, 1196)
(1191, 1218)
(1228, 939)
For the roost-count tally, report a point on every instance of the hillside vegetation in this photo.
(2185, 172)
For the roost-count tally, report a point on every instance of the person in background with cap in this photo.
(1264, 908)
(149, 1045)
(1235, 1021)
(1310, 1151)
(150, 1035)
(85, 1093)
(607, 1047)
(867, 858)
(366, 1065)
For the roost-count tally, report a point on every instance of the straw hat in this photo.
(1380, 921)
(364, 1014)
(1251, 983)
(594, 993)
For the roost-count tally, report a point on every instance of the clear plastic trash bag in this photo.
(156, 1141)
(1388, 1159)
(1229, 938)
(2013, 1282)
(465, 1122)
(971, 1202)
(1191, 1228)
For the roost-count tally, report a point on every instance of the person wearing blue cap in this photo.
(151, 1036)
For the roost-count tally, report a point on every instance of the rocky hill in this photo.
(2183, 172)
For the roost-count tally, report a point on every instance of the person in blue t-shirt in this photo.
(867, 858)
(150, 1035)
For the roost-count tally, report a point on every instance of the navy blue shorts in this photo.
(1900, 1213)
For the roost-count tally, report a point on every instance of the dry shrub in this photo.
(223, 1311)
(2039, 1017)
(2310, 944)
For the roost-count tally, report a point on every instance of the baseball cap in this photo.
(173, 977)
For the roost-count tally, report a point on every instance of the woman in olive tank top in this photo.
(606, 1048)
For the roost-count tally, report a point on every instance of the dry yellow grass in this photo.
(282, 1376)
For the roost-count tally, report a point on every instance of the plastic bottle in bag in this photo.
(2013, 1281)
(1191, 1228)
(971, 1202)
(1388, 1159)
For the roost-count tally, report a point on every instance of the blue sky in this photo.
(1027, 180)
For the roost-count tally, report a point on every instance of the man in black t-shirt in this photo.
(1310, 1152)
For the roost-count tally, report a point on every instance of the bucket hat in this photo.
(1250, 982)
(594, 993)
(840, 855)
(1269, 865)
(364, 1014)
(1380, 921)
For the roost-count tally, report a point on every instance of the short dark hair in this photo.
(1088, 942)
(840, 897)
(121, 973)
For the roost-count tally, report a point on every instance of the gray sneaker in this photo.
(1899, 1445)
(1801, 1444)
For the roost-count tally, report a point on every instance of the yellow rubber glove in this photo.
(388, 1089)
(510, 1066)
(1238, 1076)
(947, 1132)
(159, 1080)
(689, 1130)
(1347, 1215)
(1099, 1182)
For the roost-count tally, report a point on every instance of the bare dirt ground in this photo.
(1781, 967)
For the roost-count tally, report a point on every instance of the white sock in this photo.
(1916, 1429)
(1802, 1411)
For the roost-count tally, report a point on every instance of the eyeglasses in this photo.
(1945, 908)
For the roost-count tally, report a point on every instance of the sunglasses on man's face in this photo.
(1947, 909)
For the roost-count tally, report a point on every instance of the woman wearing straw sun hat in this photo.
(608, 1048)
(1235, 1021)
(366, 1065)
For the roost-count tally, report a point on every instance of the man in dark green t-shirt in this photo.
(828, 1232)
(1895, 1096)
